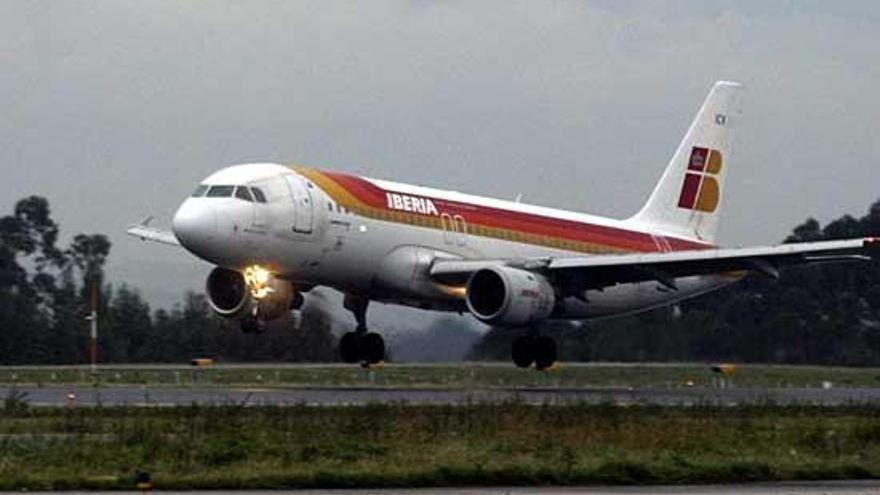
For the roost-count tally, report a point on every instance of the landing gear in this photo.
(545, 352)
(256, 321)
(361, 345)
(522, 351)
(252, 324)
(349, 347)
(372, 348)
(533, 348)
(364, 347)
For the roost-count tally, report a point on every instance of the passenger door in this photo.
(301, 195)
(274, 209)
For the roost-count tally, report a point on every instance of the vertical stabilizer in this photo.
(687, 201)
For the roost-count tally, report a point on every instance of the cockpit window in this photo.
(258, 195)
(200, 191)
(244, 193)
(220, 191)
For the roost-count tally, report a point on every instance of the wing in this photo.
(595, 272)
(144, 232)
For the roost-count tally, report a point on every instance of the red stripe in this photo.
(364, 190)
(374, 196)
(689, 191)
(698, 159)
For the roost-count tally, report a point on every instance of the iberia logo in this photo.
(700, 190)
(415, 204)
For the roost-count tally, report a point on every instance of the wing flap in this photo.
(783, 253)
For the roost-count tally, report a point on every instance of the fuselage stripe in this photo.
(365, 198)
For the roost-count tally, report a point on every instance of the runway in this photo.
(135, 395)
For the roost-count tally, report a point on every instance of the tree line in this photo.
(46, 295)
(821, 314)
(825, 314)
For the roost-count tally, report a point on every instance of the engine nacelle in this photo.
(232, 295)
(507, 296)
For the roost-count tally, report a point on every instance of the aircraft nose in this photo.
(194, 225)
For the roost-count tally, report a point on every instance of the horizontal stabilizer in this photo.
(144, 232)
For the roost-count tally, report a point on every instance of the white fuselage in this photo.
(377, 239)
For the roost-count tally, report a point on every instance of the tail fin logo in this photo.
(700, 190)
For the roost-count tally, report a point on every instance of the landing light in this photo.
(257, 279)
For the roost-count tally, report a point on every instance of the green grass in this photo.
(397, 445)
(458, 375)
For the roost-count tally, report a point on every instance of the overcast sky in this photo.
(116, 109)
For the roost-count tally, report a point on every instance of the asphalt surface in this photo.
(797, 488)
(138, 395)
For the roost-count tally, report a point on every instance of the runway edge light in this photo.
(144, 481)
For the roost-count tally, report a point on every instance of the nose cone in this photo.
(195, 226)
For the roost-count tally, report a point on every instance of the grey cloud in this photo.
(115, 109)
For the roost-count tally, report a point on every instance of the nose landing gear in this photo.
(252, 324)
(534, 348)
(361, 345)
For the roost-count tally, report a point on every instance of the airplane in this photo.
(275, 231)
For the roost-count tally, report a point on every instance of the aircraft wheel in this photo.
(349, 347)
(373, 348)
(522, 351)
(545, 352)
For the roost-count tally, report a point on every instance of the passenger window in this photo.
(258, 195)
(220, 191)
(200, 191)
(242, 192)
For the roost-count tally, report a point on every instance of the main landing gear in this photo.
(361, 345)
(534, 348)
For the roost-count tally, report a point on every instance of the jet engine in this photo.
(252, 293)
(507, 296)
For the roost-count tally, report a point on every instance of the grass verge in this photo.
(398, 445)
